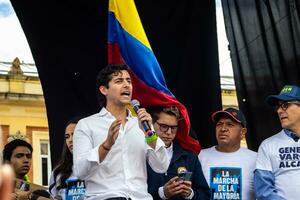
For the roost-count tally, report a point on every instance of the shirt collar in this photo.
(291, 134)
(170, 148)
(104, 112)
(170, 151)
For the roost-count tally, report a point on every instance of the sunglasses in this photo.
(165, 127)
(285, 105)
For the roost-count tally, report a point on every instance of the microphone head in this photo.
(135, 103)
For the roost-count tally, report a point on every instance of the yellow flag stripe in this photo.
(126, 13)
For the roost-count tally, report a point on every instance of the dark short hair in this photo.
(11, 146)
(172, 110)
(104, 76)
(74, 120)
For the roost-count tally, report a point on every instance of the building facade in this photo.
(23, 115)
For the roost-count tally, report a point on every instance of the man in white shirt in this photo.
(227, 167)
(277, 172)
(110, 149)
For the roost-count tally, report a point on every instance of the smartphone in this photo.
(186, 176)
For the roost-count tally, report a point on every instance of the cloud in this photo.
(12, 39)
(5, 9)
(14, 43)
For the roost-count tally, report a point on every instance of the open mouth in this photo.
(125, 93)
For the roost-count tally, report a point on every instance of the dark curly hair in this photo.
(104, 76)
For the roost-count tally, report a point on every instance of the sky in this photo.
(13, 42)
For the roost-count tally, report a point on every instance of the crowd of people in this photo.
(120, 155)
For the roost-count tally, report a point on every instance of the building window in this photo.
(45, 161)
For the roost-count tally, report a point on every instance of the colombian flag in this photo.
(128, 43)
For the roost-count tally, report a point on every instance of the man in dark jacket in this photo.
(184, 178)
(18, 154)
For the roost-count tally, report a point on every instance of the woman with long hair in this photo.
(63, 172)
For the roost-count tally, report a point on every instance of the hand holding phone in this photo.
(172, 187)
(185, 175)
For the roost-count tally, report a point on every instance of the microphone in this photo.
(136, 106)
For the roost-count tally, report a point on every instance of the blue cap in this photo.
(233, 113)
(288, 93)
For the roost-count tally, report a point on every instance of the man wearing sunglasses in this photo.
(278, 162)
(184, 178)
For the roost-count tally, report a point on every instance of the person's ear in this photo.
(243, 133)
(103, 90)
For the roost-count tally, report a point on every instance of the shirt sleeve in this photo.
(264, 185)
(157, 158)
(85, 156)
(263, 160)
(161, 193)
(191, 195)
(52, 190)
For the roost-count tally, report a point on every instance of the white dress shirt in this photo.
(123, 172)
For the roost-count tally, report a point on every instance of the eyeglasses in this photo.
(285, 105)
(165, 127)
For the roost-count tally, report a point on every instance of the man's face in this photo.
(166, 127)
(229, 132)
(289, 115)
(21, 161)
(119, 91)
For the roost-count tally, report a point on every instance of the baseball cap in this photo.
(235, 114)
(288, 93)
